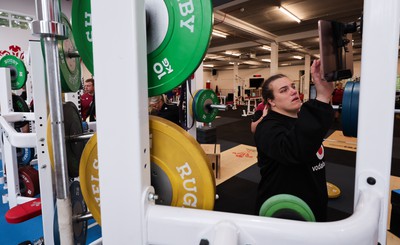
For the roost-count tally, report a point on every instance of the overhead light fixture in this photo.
(266, 47)
(294, 17)
(208, 65)
(219, 33)
(298, 57)
(266, 60)
(232, 53)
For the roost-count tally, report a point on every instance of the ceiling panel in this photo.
(252, 23)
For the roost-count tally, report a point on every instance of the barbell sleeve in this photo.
(73, 54)
(80, 137)
(219, 107)
(83, 217)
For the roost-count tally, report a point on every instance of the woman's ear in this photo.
(270, 103)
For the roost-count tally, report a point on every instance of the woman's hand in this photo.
(323, 87)
(265, 110)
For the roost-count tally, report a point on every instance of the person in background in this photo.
(289, 142)
(259, 114)
(158, 107)
(87, 98)
(337, 97)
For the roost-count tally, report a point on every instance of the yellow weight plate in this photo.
(184, 162)
(180, 171)
(89, 178)
(333, 190)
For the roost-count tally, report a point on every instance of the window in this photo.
(13, 20)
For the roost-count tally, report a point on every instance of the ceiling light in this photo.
(266, 47)
(294, 17)
(266, 60)
(232, 53)
(206, 65)
(298, 57)
(219, 33)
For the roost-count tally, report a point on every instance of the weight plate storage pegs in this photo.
(17, 69)
(180, 170)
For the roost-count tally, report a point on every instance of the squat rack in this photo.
(128, 210)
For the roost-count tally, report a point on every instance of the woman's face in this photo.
(287, 100)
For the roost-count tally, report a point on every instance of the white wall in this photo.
(19, 37)
(27, 7)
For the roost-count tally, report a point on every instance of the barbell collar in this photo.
(48, 29)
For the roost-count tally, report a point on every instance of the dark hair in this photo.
(90, 80)
(266, 91)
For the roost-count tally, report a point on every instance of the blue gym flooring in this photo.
(30, 230)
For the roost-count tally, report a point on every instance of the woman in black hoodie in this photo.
(289, 142)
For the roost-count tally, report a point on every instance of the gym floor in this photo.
(237, 194)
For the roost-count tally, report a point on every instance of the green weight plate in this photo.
(82, 29)
(173, 28)
(19, 105)
(176, 43)
(202, 101)
(70, 68)
(18, 70)
(193, 104)
(286, 206)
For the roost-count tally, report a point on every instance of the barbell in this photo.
(205, 105)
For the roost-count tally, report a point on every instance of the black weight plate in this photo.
(19, 105)
(79, 207)
(73, 126)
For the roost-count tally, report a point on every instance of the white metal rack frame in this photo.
(125, 185)
(37, 139)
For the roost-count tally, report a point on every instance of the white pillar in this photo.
(274, 59)
(375, 120)
(306, 85)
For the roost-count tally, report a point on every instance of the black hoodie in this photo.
(291, 155)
